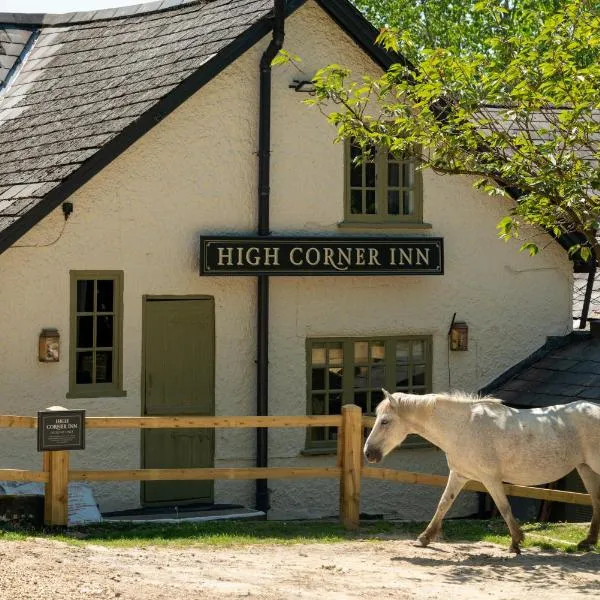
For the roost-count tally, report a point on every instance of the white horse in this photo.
(492, 443)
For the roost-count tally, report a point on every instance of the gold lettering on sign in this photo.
(272, 257)
(225, 256)
(374, 257)
(297, 263)
(253, 256)
(423, 255)
(360, 256)
(313, 256)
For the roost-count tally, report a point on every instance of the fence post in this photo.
(56, 497)
(351, 465)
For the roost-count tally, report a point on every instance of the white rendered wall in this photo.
(194, 173)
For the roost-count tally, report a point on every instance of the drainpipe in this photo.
(262, 320)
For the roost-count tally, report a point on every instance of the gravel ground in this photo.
(39, 569)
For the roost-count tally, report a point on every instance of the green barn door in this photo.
(179, 364)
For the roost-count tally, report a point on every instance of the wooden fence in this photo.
(349, 469)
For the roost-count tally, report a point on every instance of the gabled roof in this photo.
(93, 83)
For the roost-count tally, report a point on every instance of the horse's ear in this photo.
(389, 397)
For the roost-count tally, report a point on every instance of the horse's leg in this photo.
(453, 487)
(591, 480)
(496, 490)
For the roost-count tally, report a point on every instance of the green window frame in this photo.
(353, 370)
(381, 187)
(96, 334)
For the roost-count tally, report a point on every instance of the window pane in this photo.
(361, 377)
(336, 354)
(105, 295)
(377, 376)
(393, 202)
(377, 351)
(376, 398)
(356, 178)
(408, 174)
(318, 404)
(355, 151)
(393, 174)
(370, 174)
(317, 434)
(360, 399)
(401, 378)
(371, 208)
(335, 404)
(84, 367)
(418, 377)
(103, 367)
(402, 352)
(418, 350)
(361, 352)
(408, 203)
(356, 207)
(104, 331)
(318, 379)
(335, 378)
(318, 355)
(85, 295)
(85, 332)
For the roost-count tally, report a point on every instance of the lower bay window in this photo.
(353, 370)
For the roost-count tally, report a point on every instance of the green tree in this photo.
(523, 116)
(456, 24)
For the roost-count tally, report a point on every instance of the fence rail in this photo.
(349, 469)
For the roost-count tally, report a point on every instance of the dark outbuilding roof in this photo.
(567, 369)
(92, 83)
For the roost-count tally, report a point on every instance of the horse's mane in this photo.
(466, 397)
(430, 400)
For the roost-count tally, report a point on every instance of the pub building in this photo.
(179, 235)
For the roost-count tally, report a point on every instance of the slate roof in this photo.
(12, 43)
(567, 369)
(84, 82)
(95, 82)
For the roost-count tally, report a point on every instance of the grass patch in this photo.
(550, 536)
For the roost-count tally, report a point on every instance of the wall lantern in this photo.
(49, 346)
(459, 335)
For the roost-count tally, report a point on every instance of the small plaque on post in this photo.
(61, 430)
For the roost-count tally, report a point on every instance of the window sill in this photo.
(97, 394)
(384, 225)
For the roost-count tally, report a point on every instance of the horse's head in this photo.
(388, 432)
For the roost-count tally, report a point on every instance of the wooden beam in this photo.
(351, 466)
(211, 422)
(206, 474)
(475, 486)
(17, 422)
(22, 475)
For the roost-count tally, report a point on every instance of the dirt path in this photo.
(41, 569)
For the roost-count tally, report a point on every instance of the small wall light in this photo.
(49, 346)
(459, 335)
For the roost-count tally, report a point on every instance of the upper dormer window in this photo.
(382, 187)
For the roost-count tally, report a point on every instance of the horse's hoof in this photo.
(585, 545)
(515, 548)
(423, 540)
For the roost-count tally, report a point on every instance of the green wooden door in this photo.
(179, 364)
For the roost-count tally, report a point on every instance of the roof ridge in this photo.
(104, 14)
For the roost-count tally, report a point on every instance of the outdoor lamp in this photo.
(49, 346)
(459, 336)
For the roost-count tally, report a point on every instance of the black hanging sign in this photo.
(61, 430)
(273, 255)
